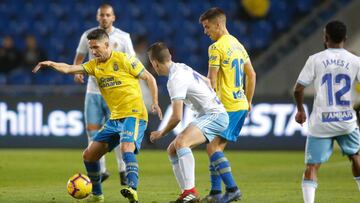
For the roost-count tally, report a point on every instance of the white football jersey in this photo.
(119, 41)
(186, 84)
(333, 72)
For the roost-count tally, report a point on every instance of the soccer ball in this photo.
(79, 186)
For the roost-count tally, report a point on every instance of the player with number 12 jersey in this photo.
(333, 72)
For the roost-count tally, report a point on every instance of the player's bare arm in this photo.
(61, 67)
(250, 82)
(151, 82)
(175, 118)
(300, 116)
(79, 58)
(212, 75)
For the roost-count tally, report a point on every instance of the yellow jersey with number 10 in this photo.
(229, 56)
(118, 82)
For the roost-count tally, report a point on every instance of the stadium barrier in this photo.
(57, 121)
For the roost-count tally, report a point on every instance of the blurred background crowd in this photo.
(35, 30)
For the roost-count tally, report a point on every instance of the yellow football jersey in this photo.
(229, 56)
(118, 81)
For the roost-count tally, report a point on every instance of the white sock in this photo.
(177, 171)
(308, 189)
(119, 159)
(357, 179)
(187, 166)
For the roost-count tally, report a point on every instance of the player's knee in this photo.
(311, 171)
(86, 155)
(180, 143)
(127, 147)
(171, 150)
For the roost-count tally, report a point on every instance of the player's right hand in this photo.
(40, 65)
(300, 117)
(155, 135)
(79, 78)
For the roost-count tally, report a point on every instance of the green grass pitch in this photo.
(29, 175)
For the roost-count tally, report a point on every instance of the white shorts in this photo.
(212, 124)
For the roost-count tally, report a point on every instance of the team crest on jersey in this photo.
(116, 67)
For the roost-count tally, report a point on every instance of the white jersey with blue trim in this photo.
(186, 84)
(333, 72)
(119, 41)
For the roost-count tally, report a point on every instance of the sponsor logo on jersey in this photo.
(106, 82)
(337, 116)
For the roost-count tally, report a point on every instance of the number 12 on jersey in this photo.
(327, 79)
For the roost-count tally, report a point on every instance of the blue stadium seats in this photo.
(261, 33)
(67, 80)
(60, 23)
(47, 77)
(280, 14)
(19, 76)
(304, 5)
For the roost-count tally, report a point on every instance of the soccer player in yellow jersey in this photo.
(228, 64)
(118, 77)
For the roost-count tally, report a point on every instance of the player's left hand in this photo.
(156, 108)
(155, 135)
(40, 65)
(300, 117)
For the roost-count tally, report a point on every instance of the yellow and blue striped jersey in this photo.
(118, 81)
(229, 56)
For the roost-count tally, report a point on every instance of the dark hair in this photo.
(97, 34)
(336, 31)
(105, 5)
(159, 52)
(212, 14)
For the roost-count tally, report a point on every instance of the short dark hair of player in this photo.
(106, 5)
(336, 31)
(159, 52)
(98, 34)
(212, 14)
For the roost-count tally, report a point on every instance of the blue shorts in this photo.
(319, 150)
(122, 130)
(211, 124)
(237, 119)
(96, 110)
